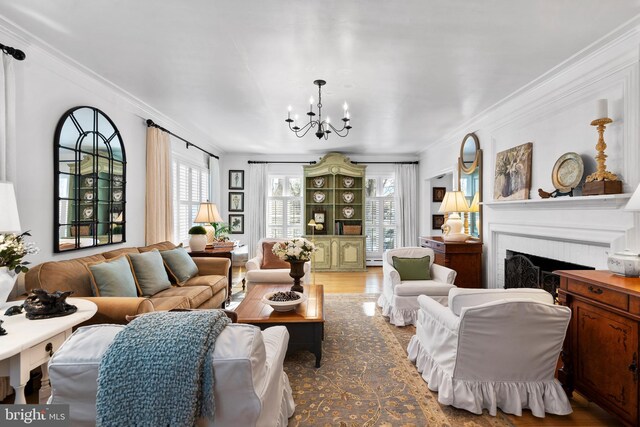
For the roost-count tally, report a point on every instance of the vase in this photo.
(198, 242)
(297, 273)
(6, 284)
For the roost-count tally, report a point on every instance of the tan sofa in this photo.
(206, 290)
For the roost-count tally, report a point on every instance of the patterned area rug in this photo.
(365, 378)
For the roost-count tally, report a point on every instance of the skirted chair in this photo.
(493, 348)
(266, 267)
(417, 276)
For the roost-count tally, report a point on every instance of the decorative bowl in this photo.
(625, 263)
(283, 305)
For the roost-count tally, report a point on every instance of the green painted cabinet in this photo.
(334, 197)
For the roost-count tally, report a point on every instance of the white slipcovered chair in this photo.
(250, 388)
(257, 274)
(399, 299)
(493, 348)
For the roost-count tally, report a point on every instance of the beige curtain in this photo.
(159, 206)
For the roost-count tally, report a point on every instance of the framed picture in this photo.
(236, 223)
(236, 201)
(318, 217)
(438, 193)
(437, 221)
(513, 173)
(236, 180)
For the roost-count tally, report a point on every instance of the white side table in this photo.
(30, 343)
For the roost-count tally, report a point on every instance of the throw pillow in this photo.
(271, 260)
(149, 272)
(112, 278)
(180, 265)
(413, 268)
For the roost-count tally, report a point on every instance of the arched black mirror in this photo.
(470, 183)
(89, 181)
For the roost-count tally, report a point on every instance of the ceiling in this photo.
(411, 71)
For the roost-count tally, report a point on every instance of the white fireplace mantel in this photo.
(606, 201)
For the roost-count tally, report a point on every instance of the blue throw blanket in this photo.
(158, 371)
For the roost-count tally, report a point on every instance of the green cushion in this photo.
(413, 268)
(113, 278)
(179, 264)
(149, 272)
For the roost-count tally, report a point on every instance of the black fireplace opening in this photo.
(523, 270)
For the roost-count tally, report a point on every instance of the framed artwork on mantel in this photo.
(513, 173)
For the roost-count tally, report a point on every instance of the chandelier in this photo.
(324, 127)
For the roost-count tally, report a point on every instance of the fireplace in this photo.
(523, 270)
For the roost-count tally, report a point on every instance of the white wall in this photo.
(554, 113)
(46, 87)
(432, 207)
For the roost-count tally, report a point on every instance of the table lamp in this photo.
(9, 219)
(475, 208)
(208, 213)
(634, 202)
(453, 202)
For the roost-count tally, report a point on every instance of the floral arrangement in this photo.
(13, 248)
(298, 249)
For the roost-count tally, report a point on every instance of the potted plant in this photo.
(198, 240)
(13, 249)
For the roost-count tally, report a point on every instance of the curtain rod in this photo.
(150, 123)
(387, 163)
(12, 51)
(255, 162)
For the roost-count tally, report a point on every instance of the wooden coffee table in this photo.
(305, 324)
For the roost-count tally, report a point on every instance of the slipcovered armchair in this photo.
(270, 268)
(493, 348)
(399, 298)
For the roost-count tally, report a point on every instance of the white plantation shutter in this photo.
(284, 207)
(191, 185)
(380, 216)
(372, 229)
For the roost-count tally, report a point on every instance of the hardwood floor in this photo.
(585, 413)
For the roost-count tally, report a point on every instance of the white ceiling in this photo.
(410, 70)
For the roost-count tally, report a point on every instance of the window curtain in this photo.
(214, 181)
(159, 204)
(7, 120)
(256, 203)
(406, 204)
(7, 147)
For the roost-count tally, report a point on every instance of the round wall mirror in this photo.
(469, 151)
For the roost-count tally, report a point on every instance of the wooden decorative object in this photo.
(601, 181)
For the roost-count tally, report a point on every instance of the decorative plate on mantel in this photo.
(567, 172)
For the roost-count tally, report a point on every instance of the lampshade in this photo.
(312, 223)
(208, 212)
(9, 219)
(634, 201)
(475, 203)
(454, 201)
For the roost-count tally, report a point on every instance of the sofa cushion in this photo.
(162, 303)
(162, 246)
(197, 295)
(271, 260)
(149, 272)
(179, 264)
(460, 298)
(121, 251)
(412, 268)
(216, 283)
(113, 278)
(422, 287)
(69, 275)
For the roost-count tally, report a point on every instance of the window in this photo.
(380, 215)
(190, 187)
(284, 207)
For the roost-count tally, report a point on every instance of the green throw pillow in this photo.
(413, 268)
(179, 264)
(113, 278)
(149, 272)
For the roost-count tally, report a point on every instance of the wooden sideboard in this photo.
(600, 354)
(463, 257)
